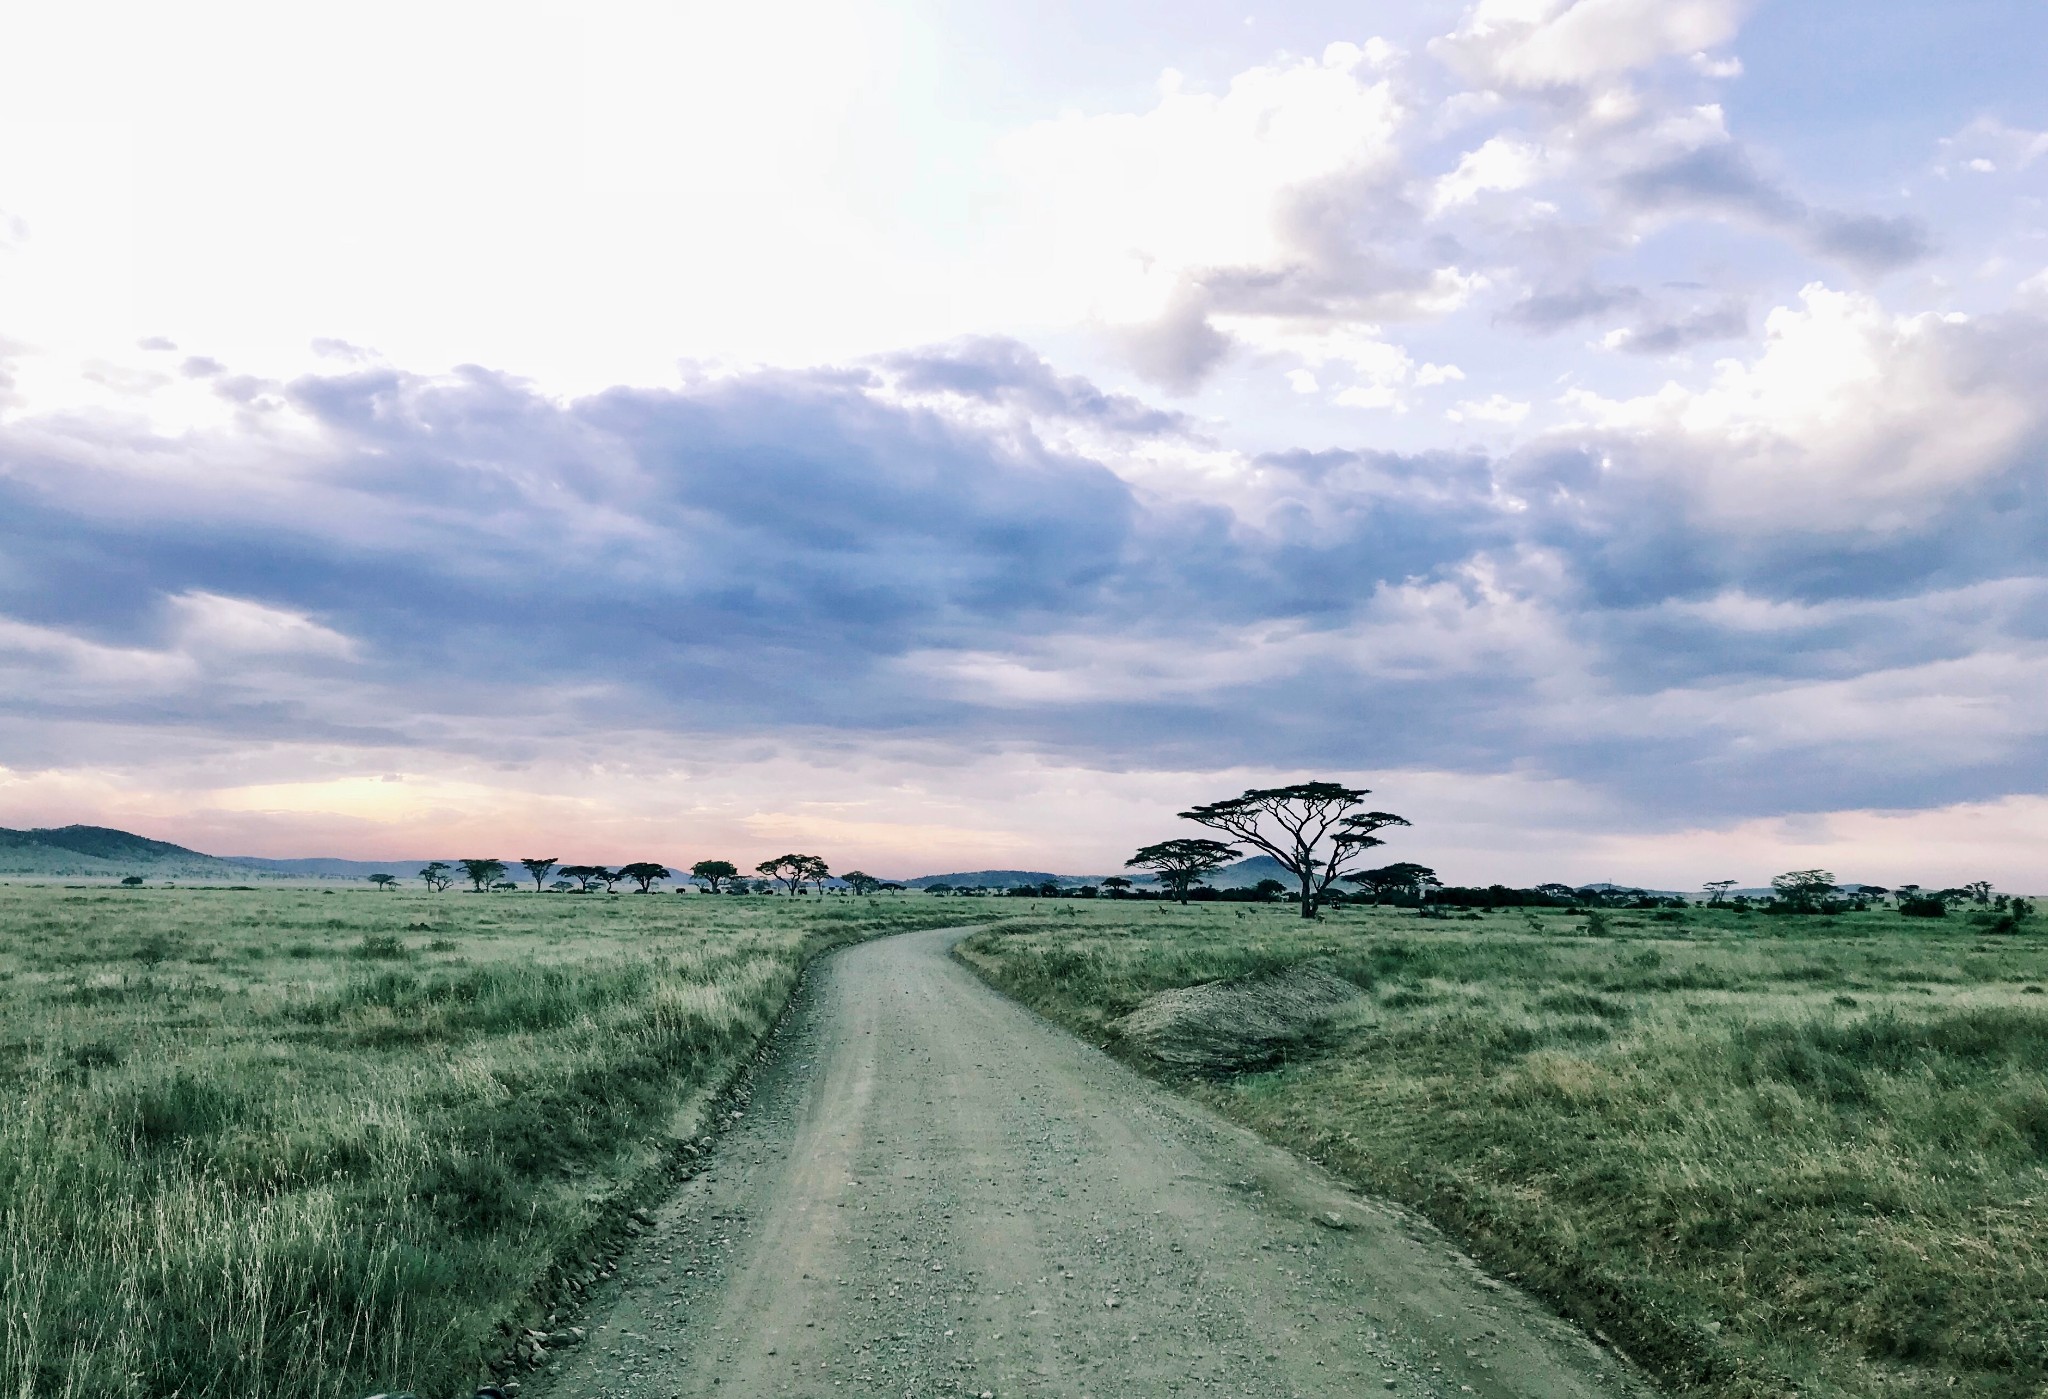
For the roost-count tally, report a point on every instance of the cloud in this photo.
(1808, 581)
(1497, 408)
(1656, 329)
(1523, 44)
(1554, 310)
(1500, 163)
(999, 370)
(1283, 197)
(1721, 179)
(1669, 335)
(1180, 348)
(1849, 418)
(208, 622)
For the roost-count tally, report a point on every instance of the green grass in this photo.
(295, 1142)
(1762, 1155)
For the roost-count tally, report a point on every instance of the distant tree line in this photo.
(790, 874)
(1314, 831)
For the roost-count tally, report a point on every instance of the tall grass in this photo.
(290, 1142)
(1763, 1157)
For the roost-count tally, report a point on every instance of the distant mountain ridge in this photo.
(328, 867)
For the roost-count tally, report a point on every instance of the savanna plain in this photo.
(1759, 1155)
(294, 1142)
(263, 1142)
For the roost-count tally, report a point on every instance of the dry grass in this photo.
(1765, 1156)
(293, 1142)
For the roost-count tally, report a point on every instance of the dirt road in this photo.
(933, 1192)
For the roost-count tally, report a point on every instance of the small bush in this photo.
(181, 1108)
(387, 947)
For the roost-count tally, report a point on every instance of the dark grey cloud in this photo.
(1722, 179)
(1670, 334)
(1554, 310)
(1656, 329)
(1180, 349)
(785, 550)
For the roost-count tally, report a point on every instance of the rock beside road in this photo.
(1223, 1027)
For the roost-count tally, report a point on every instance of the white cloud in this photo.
(1568, 43)
(1496, 408)
(1987, 145)
(1501, 163)
(1118, 210)
(50, 662)
(1372, 395)
(1849, 417)
(208, 623)
(1382, 371)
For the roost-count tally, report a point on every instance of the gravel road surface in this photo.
(933, 1192)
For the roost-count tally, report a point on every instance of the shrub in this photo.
(380, 947)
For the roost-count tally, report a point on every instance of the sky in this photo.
(954, 436)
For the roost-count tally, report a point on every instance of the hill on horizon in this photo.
(102, 851)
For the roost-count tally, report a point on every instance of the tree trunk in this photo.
(1308, 897)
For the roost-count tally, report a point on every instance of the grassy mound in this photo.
(1222, 1027)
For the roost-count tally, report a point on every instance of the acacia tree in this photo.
(1117, 886)
(1179, 863)
(1717, 890)
(437, 877)
(815, 870)
(791, 871)
(714, 873)
(783, 869)
(1802, 889)
(383, 882)
(538, 869)
(606, 877)
(1311, 828)
(482, 873)
(582, 874)
(643, 873)
(861, 882)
